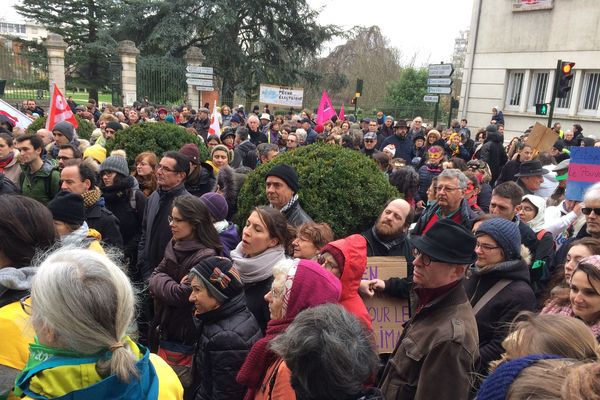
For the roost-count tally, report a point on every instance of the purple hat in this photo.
(216, 204)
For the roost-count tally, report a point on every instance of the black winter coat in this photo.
(246, 154)
(255, 299)
(257, 137)
(494, 318)
(404, 146)
(98, 217)
(484, 198)
(225, 337)
(296, 216)
(426, 175)
(492, 152)
(201, 181)
(508, 172)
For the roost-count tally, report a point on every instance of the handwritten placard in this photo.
(387, 314)
(584, 171)
(541, 138)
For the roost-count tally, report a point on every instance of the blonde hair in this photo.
(118, 152)
(582, 383)
(88, 302)
(542, 380)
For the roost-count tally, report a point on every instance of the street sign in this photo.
(198, 76)
(431, 99)
(199, 82)
(439, 90)
(199, 70)
(440, 70)
(205, 88)
(439, 82)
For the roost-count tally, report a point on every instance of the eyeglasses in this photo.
(485, 247)
(173, 220)
(427, 260)
(369, 141)
(63, 158)
(24, 305)
(588, 211)
(446, 188)
(165, 169)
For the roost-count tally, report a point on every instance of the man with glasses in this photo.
(369, 144)
(416, 128)
(439, 345)
(292, 142)
(68, 152)
(449, 204)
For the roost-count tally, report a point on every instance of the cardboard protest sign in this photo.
(584, 171)
(541, 138)
(387, 314)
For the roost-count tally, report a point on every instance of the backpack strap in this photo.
(489, 295)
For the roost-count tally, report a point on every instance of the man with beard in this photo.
(388, 238)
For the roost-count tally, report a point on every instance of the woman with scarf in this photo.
(9, 156)
(266, 240)
(25, 226)
(296, 286)
(172, 331)
(82, 306)
(431, 169)
(455, 148)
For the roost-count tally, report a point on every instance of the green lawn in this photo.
(82, 97)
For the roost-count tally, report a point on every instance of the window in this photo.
(515, 84)
(539, 85)
(530, 5)
(591, 91)
(566, 101)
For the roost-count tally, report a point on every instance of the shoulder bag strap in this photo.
(494, 290)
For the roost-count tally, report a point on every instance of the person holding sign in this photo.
(439, 344)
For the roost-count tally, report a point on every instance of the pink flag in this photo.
(214, 128)
(325, 110)
(342, 114)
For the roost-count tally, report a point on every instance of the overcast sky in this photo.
(426, 28)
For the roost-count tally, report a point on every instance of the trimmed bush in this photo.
(154, 136)
(84, 127)
(339, 186)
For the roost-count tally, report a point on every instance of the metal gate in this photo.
(161, 80)
(115, 69)
(22, 75)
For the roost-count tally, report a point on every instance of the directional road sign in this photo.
(444, 70)
(431, 99)
(439, 90)
(205, 88)
(198, 76)
(439, 82)
(199, 70)
(199, 82)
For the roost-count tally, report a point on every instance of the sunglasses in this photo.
(588, 211)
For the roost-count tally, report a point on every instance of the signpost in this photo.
(444, 70)
(439, 82)
(439, 90)
(431, 99)
(201, 77)
(199, 70)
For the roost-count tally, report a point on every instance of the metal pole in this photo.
(554, 92)
(450, 113)
(435, 114)
(356, 109)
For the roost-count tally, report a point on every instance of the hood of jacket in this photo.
(354, 249)
(516, 270)
(494, 137)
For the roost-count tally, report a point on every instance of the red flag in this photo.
(342, 114)
(16, 117)
(214, 128)
(325, 110)
(59, 110)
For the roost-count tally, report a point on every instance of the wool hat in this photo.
(221, 278)
(418, 136)
(216, 204)
(447, 241)
(192, 153)
(236, 118)
(287, 173)
(506, 233)
(97, 152)
(213, 137)
(115, 126)
(227, 131)
(336, 253)
(67, 207)
(531, 168)
(117, 164)
(66, 128)
(203, 110)
(370, 136)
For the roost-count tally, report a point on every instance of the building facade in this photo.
(512, 55)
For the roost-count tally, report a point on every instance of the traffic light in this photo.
(353, 101)
(565, 79)
(359, 87)
(541, 109)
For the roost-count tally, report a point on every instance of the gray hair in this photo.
(284, 266)
(253, 117)
(264, 149)
(452, 173)
(301, 135)
(329, 353)
(88, 302)
(592, 193)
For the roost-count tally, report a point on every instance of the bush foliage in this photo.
(84, 127)
(157, 137)
(339, 186)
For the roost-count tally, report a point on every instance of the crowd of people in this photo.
(132, 281)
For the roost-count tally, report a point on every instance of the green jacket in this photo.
(43, 184)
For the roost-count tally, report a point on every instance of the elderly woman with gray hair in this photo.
(297, 286)
(82, 306)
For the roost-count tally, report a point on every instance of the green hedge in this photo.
(339, 186)
(154, 136)
(84, 127)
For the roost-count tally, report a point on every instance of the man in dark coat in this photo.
(492, 152)
(401, 141)
(202, 123)
(245, 150)
(201, 178)
(282, 192)
(257, 136)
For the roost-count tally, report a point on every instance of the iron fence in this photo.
(161, 80)
(20, 77)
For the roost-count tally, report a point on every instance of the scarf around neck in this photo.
(91, 197)
(257, 268)
(16, 278)
(7, 160)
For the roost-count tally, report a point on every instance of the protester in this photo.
(310, 238)
(220, 156)
(9, 158)
(82, 306)
(40, 179)
(227, 231)
(585, 291)
(200, 178)
(145, 172)
(511, 168)
(492, 152)
(431, 169)
(282, 187)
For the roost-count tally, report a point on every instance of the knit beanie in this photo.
(66, 128)
(221, 278)
(97, 152)
(216, 204)
(287, 174)
(505, 233)
(337, 254)
(115, 126)
(498, 383)
(67, 207)
(117, 164)
(192, 153)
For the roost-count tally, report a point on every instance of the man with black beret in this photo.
(439, 345)
(282, 192)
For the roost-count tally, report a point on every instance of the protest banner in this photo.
(584, 171)
(281, 96)
(541, 138)
(387, 314)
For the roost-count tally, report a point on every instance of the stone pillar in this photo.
(56, 46)
(128, 53)
(193, 57)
